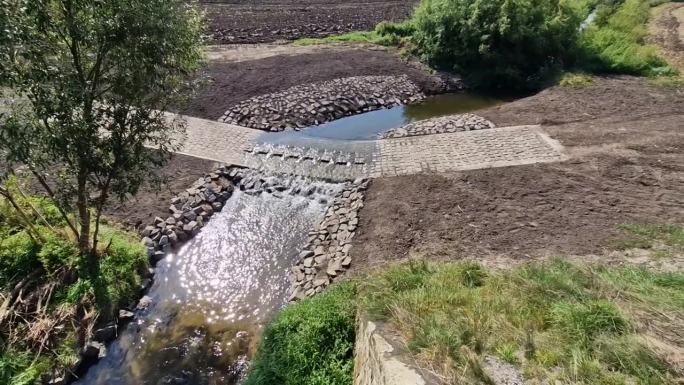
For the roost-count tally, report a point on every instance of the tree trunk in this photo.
(83, 214)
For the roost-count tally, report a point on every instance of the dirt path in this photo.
(666, 30)
(626, 138)
(236, 53)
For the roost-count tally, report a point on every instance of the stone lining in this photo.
(440, 125)
(190, 210)
(326, 256)
(312, 104)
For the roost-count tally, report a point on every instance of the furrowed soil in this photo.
(227, 81)
(260, 21)
(625, 139)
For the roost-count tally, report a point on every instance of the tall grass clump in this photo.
(63, 295)
(558, 322)
(615, 42)
(310, 342)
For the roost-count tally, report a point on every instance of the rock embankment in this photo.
(312, 104)
(190, 210)
(326, 254)
(440, 125)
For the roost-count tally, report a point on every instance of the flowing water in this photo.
(211, 298)
(370, 124)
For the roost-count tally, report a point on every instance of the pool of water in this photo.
(211, 298)
(370, 124)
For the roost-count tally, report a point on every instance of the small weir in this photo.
(211, 298)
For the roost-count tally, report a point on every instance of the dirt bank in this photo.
(626, 140)
(228, 83)
(179, 174)
(666, 30)
(259, 21)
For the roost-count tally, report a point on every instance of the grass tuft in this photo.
(573, 323)
(367, 37)
(310, 342)
(575, 79)
(646, 236)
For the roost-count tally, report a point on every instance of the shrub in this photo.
(614, 43)
(57, 253)
(17, 257)
(309, 343)
(496, 43)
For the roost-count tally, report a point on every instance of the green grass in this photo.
(646, 236)
(575, 79)
(369, 37)
(310, 342)
(100, 289)
(560, 321)
(615, 42)
(673, 81)
(385, 33)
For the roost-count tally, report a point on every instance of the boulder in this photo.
(105, 334)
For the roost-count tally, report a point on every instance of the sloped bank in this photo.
(440, 125)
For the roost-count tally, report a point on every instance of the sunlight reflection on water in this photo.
(220, 287)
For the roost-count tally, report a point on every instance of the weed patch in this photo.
(310, 342)
(559, 321)
(36, 253)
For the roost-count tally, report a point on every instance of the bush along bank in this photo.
(56, 311)
(615, 41)
(310, 342)
(509, 45)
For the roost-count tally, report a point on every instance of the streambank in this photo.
(218, 281)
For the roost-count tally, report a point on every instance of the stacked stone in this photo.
(317, 103)
(441, 125)
(326, 255)
(190, 211)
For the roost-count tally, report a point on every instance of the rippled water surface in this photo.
(212, 297)
(370, 124)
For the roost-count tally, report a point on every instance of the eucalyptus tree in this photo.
(96, 76)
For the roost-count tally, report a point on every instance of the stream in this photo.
(211, 298)
(369, 125)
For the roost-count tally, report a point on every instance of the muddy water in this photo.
(370, 124)
(211, 298)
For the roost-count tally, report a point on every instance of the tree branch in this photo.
(52, 196)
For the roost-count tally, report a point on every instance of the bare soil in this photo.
(154, 201)
(626, 142)
(666, 30)
(228, 82)
(260, 21)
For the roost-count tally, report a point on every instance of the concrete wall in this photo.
(380, 359)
